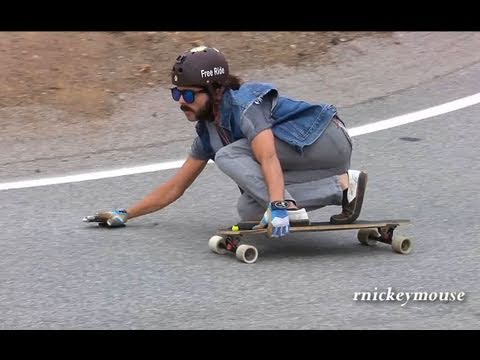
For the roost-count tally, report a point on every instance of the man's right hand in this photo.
(113, 218)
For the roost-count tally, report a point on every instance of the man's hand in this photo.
(275, 219)
(113, 218)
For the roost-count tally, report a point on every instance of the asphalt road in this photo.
(158, 273)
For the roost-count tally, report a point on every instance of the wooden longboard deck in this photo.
(245, 227)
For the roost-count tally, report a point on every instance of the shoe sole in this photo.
(294, 223)
(361, 187)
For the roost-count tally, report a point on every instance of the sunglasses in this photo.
(188, 94)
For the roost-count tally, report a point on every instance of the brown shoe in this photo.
(352, 198)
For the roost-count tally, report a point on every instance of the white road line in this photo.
(416, 116)
(360, 130)
(92, 176)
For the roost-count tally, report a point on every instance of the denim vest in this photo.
(296, 122)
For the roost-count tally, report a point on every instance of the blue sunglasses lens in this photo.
(176, 94)
(188, 95)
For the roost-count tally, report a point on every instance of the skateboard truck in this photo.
(222, 245)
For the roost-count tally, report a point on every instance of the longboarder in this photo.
(287, 156)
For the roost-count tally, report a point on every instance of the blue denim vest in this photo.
(296, 122)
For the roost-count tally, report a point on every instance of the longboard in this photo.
(369, 232)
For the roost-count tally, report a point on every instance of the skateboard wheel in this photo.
(217, 244)
(402, 245)
(367, 236)
(247, 254)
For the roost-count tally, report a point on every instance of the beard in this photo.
(205, 113)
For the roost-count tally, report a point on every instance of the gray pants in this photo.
(311, 179)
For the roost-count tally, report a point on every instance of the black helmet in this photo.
(200, 66)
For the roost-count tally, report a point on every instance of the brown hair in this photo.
(233, 82)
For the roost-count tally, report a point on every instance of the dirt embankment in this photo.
(85, 72)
